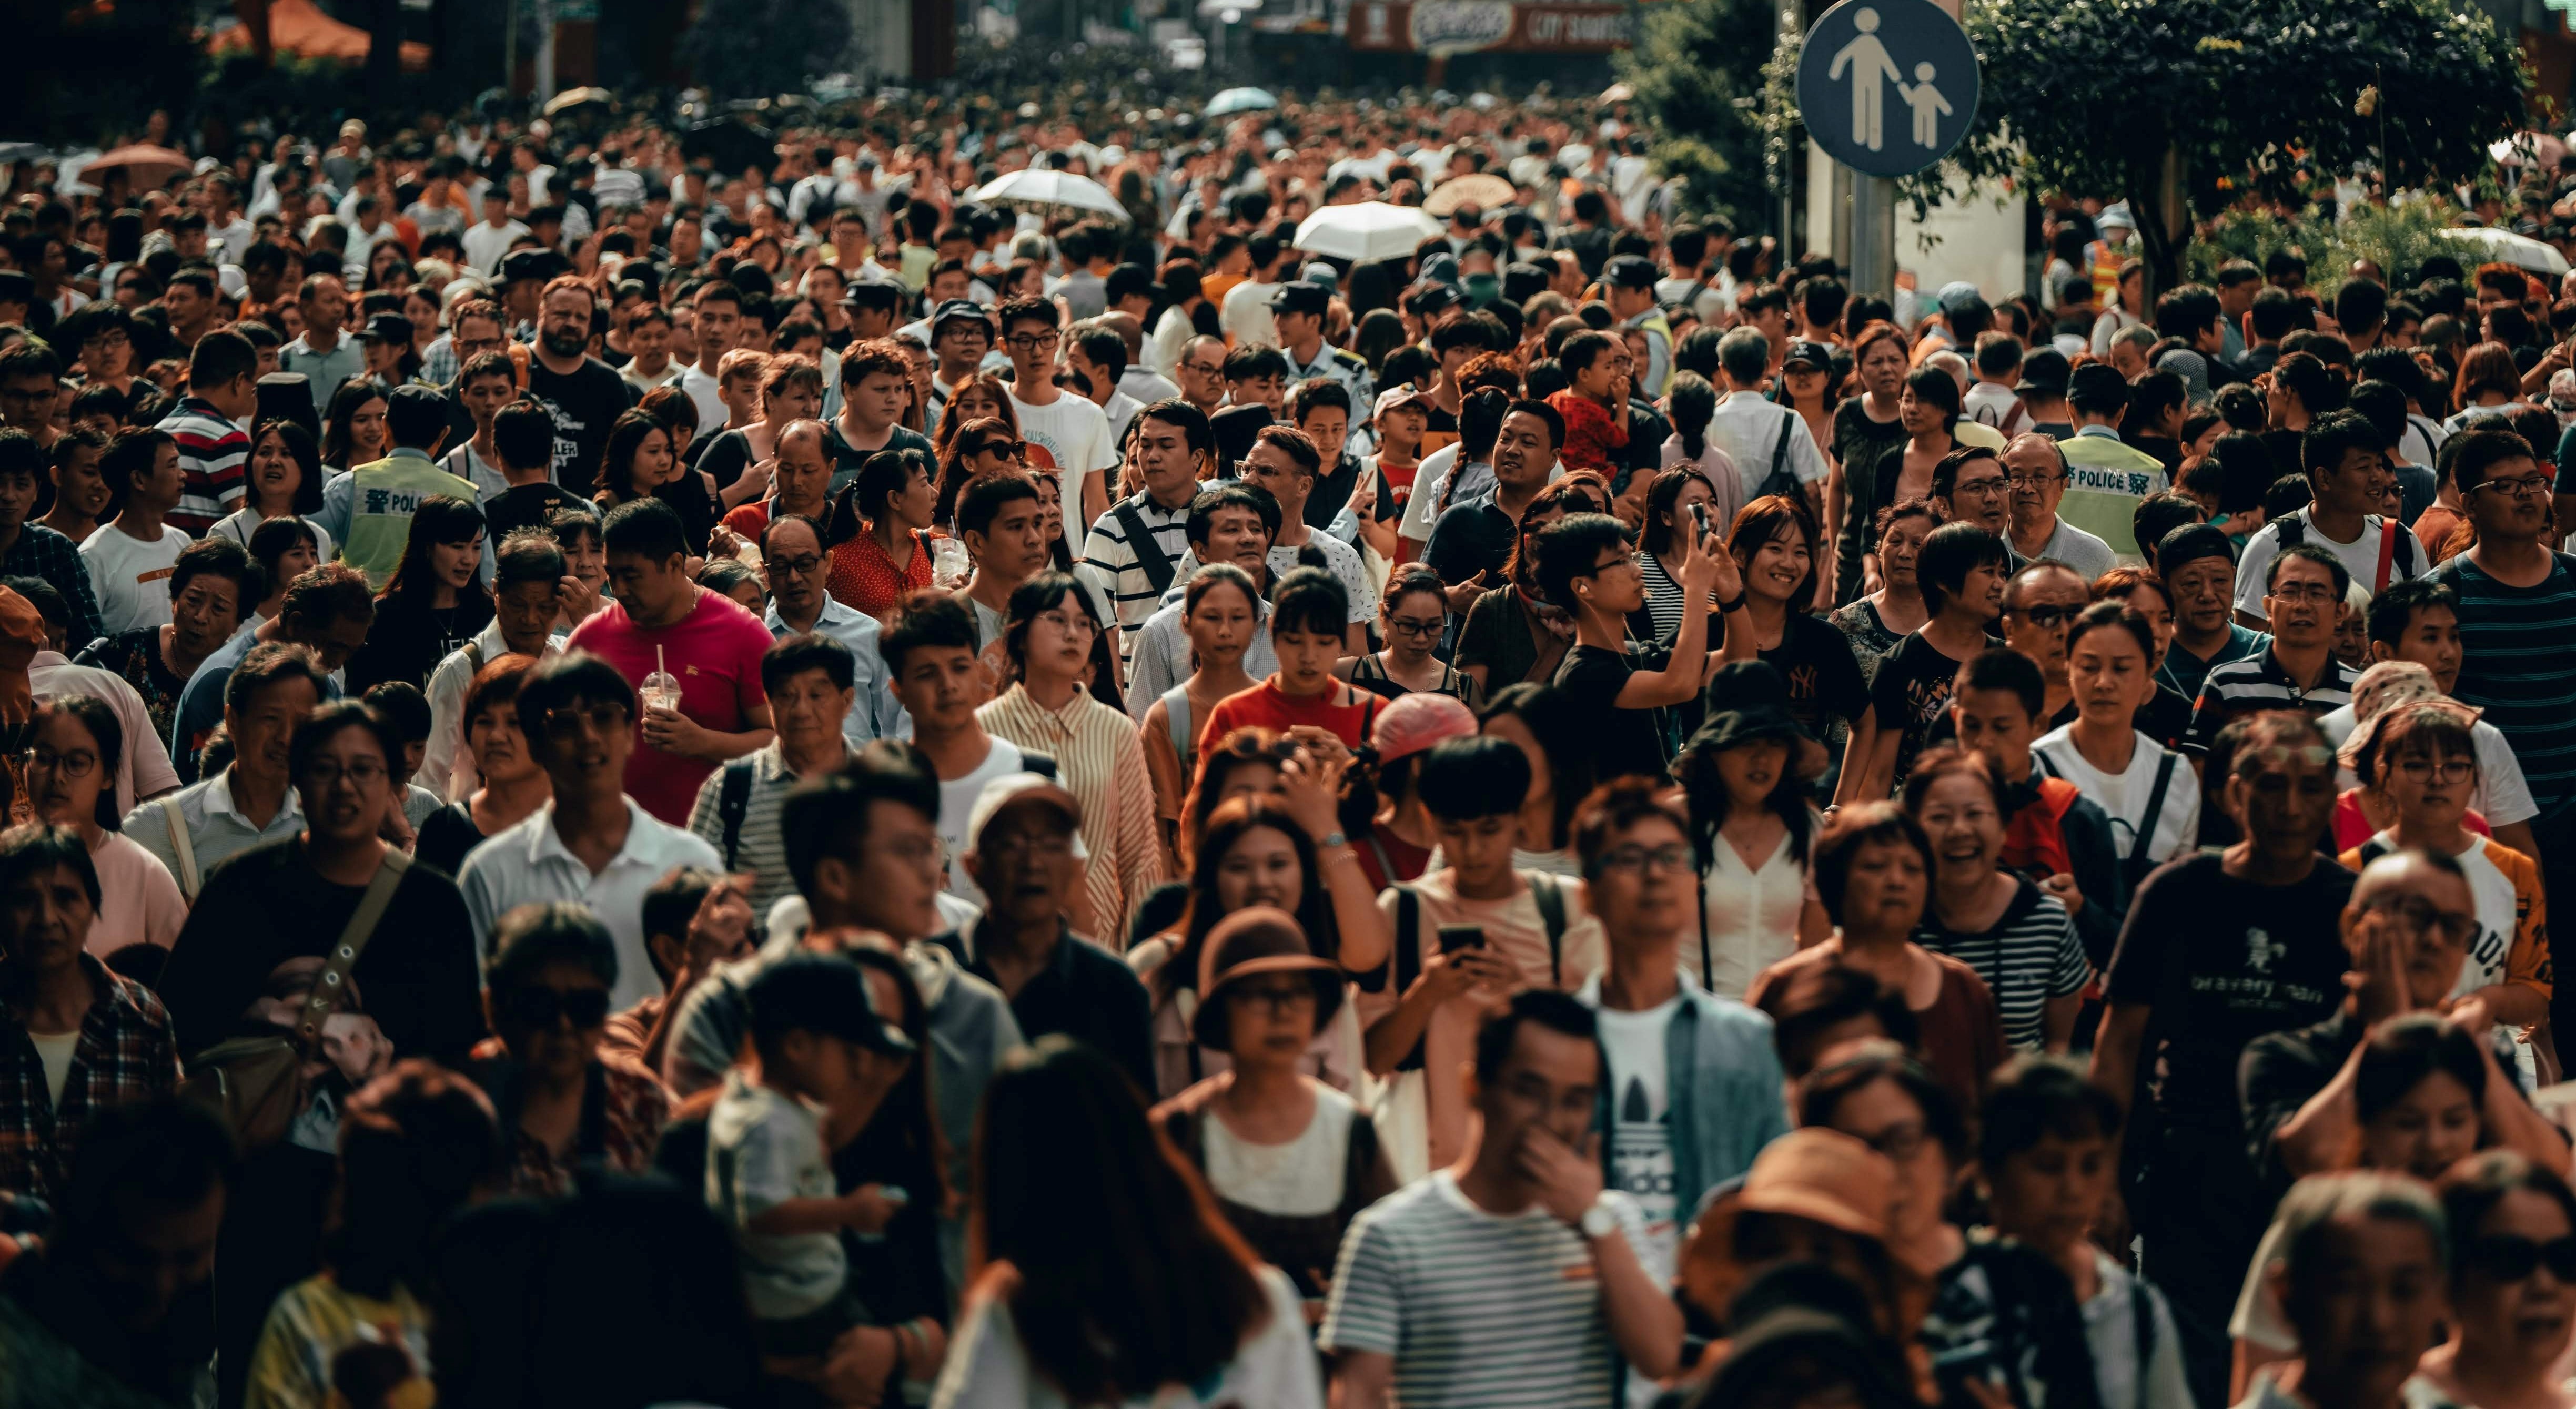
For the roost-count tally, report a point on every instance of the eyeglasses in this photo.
(2510, 1259)
(1900, 1142)
(70, 765)
(2422, 917)
(797, 567)
(1625, 560)
(1415, 628)
(2047, 616)
(2451, 770)
(1033, 342)
(1008, 449)
(1204, 369)
(1978, 488)
(544, 1007)
(1629, 860)
(2031, 481)
(322, 772)
(602, 718)
(2318, 592)
(1070, 623)
(2519, 488)
(111, 338)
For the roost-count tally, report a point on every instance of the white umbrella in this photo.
(2506, 247)
(1367, 232)
(1033, 187)
(1241, 100)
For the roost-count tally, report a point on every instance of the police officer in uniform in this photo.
(1298, 311)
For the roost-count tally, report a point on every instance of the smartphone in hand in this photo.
(1454, 938)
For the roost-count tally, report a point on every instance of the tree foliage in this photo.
(2155, 99)
(760, 48)
(1698, 75)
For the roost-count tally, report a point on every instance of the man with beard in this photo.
(584, 393)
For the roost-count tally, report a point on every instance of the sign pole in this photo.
(1873, 236)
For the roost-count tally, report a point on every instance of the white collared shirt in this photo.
(529, 863)
(217, 830)
(874, 713)
(446, 764)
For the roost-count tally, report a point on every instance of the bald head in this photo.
(2420, 901)
(801, 474)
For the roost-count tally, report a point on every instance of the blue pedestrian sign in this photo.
(1887, 87)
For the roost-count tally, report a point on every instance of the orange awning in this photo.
(300, 28)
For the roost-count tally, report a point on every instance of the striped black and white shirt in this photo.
(1495, 1311)
(2029, 956)
(2255, 683)
(1111, 563)
(761, 847)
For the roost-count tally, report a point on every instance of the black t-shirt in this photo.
(725, 456)
(409, 638)
(1815, 661)
(2222, 961)
(1469, 540)
(1628, 741)
(445, 836)
(1334, 489)
(527, 506)
(583, 403)
(2166, 718)
(267, 907)
(1911, 694)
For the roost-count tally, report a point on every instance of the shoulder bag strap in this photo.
(2388, 535)
(733, 805)
(333, 985)
(1407, 960)
(2155, 812)
(1780, 459)
(1176, 719)
(1551, 914)
(182, 846)
(1140, 541)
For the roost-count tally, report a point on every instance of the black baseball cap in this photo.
(1629, 271)
(1300, 297)
(956, 308)
(822, 993)
(2044, 369)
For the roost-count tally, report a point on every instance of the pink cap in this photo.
(1416, 721)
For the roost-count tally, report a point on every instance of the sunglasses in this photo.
(2511, 1259)
(2048, 617)
(1010, 448)
(542, 1007)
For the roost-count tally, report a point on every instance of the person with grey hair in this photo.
(1765, 439)
(2035, 479)
(2128, 349)
(2361, 1270)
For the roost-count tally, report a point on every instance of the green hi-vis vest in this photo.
(383, 498)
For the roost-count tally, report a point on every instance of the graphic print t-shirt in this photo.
(1641, 1132)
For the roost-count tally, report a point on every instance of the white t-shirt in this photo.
(1641, 1136)
(765, 1147)
(54, 1050)
(2502, 796)
(957, 803)
(138, 901)
(1076, 433)
(1298, 1179)
(701, 387)
(241, 523)
(131, 577)
(1245, 315)
(1275, 1368)
(1343, 561)
(2123, 796)
(2359, 558)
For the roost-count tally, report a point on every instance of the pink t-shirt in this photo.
(715, 651)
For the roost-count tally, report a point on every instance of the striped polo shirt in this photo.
(2516, 666)
(213, 452)
(1111, 563)
(2255, 683)
(2029, 956)
(1495, 1311)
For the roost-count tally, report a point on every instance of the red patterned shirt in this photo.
(864, 577)
(622, 1115)
(127, 1052)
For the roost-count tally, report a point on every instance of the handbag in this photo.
(257, 1084)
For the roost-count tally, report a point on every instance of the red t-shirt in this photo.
(749, 521)
(1268, 707)
(715, 651)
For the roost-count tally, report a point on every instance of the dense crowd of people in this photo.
(632, 783)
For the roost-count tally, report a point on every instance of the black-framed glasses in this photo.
(798, 567)
(544, 1007)
(1033, 342)
(2520, 488)
(2032, 481)
(2048, 616)
(365, 772)
(2450, 770)
(70, 765)
(1415, 628)
(1277, 997)
(1671, 856)
(2423, 917)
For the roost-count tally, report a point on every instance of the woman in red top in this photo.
(875, 563)
(1302, 699)
(1599, 367)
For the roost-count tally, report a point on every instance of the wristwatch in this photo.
(1600, 1220)
(1735, 606)
(1330, 840)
